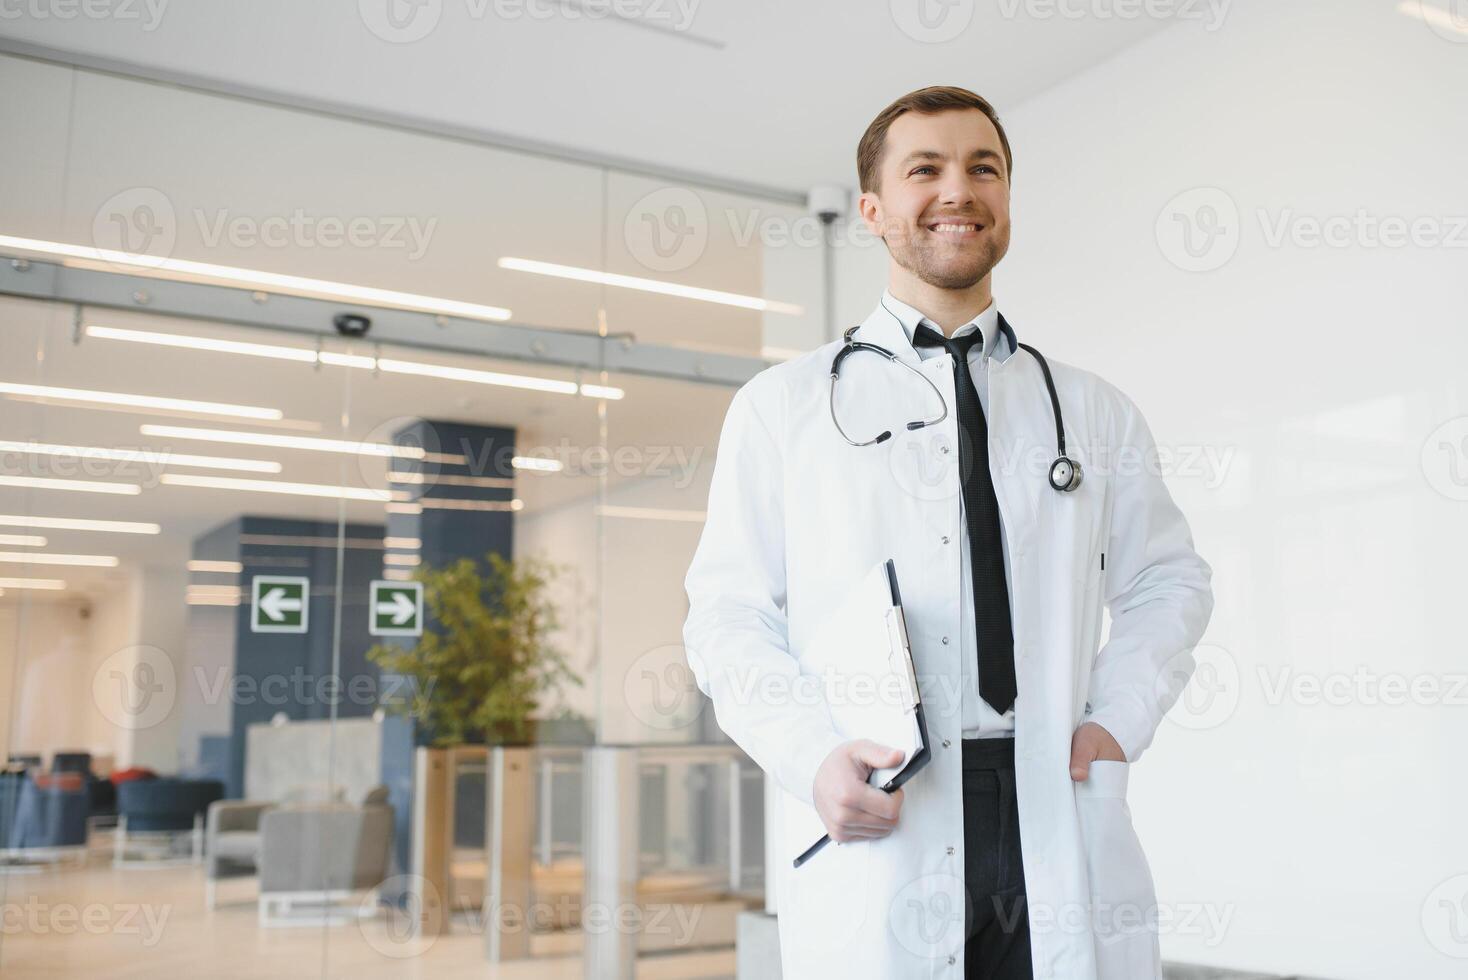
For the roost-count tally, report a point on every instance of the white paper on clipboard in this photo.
(860, 655)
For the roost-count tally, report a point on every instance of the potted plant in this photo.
(484, 663)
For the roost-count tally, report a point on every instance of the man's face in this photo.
(940, 171)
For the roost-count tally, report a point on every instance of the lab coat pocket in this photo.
(1123, 898)
(827, 902)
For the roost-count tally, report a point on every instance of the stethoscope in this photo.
(1065, 473)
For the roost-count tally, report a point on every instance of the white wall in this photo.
(58, 656)
(1323, 830)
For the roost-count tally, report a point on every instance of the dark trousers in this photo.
(996, 921)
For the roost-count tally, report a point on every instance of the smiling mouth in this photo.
(958, 230)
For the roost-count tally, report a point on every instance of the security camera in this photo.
(828, 202)
(352, 324)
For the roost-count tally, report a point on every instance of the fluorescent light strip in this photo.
(475, 376)
(603, 391)
(256, 279)
(649, 285)
(311, 443)
(538, 463)
(225, 590)
(23, 540)
(161, 457)
(212, 600)
(401, 559)
(40, 558)
(79, 524)
(652, 513)
(409, 544)
(389, 365)
(47, 584)
(203, 343)
(397, 574)
(203, 565)
(141, 401)
(84, 486)
(273, 486)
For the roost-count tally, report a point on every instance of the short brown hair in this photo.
(933, 99)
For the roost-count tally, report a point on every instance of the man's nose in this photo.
(957, 190)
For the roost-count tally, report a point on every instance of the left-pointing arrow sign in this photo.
(275, 604)
(281, 603)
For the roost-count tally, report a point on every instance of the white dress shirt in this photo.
(980, 720)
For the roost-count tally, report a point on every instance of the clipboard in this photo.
(901, 650)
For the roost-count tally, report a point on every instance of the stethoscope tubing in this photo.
(1065, 473)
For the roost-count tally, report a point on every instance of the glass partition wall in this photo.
(306, 627)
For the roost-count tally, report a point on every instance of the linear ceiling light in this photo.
(540, 463)
(78, 524)
(204, 565)
(39, 558)
(257, 279)
(284, 442)
(50, 584)
(141, 401)
(84, 486)
(274, 486)
(649, 285)
(360, 361)
(163, 457)
(23, 540)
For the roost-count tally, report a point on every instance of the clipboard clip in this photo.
(898, 647)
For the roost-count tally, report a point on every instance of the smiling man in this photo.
(1014, 497)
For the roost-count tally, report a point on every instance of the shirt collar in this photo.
(910, 317)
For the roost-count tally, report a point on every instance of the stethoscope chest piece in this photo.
(1065, 474)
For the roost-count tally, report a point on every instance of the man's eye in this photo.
(920, 170)
(985, 166)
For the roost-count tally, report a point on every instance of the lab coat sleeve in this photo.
(735, 635)
(1158, 592)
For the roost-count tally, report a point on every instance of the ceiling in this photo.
(761, 92)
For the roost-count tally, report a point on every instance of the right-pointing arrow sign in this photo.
(400, 610)
(395, 609)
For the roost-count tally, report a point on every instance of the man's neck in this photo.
(948, 308)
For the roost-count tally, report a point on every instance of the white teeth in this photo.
(955, 227)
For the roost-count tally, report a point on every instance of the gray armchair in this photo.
(316, 858)
(232, 842)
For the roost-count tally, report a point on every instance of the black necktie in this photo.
(981, 509)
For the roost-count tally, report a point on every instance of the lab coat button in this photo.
(950, 850)
(946, 743)
(943, 450)
(952, 960)
(945, 539)
(945, 641)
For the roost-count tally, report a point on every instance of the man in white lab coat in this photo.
(1012, 854)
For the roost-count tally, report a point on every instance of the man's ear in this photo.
(870, 207)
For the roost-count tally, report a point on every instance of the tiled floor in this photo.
(97, 921)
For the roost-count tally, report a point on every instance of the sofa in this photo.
(153, 813)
